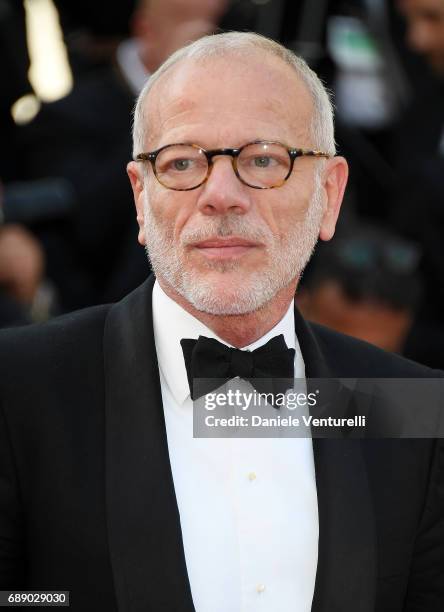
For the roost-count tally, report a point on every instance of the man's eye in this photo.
(182, 164)
(262, 162)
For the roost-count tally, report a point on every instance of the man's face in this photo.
(225, 247)
(425, 29)
(186, 10)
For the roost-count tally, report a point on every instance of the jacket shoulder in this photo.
(350, 357)
(33, 347)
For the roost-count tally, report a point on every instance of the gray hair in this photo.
(218, 45)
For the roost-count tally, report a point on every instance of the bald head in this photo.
(176, 98)
(244, 51)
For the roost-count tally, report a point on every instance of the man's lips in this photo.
(225, 248)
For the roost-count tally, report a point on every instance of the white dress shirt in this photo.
(131, 65)
(248, 507)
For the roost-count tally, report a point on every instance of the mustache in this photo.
(225, 227)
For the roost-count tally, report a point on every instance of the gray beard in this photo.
(287, 259)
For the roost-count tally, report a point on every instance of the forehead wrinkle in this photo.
(226, 135)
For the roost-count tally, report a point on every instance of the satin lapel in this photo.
(346, 573)
(143, 520)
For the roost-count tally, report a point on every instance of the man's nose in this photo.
(223, 192)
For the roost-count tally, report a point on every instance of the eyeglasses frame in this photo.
(234, 153)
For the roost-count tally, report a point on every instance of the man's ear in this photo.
(334, 180)
(135, 173)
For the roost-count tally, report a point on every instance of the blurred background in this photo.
(70, 71)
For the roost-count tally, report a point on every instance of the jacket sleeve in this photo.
(426, 584)
(12, 566)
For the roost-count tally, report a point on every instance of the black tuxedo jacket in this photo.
(87, 501)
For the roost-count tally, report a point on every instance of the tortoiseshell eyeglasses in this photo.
(261, 164)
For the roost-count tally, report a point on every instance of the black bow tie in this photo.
(207, 359)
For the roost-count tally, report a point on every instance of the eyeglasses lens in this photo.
(264, 165)
(181, 166)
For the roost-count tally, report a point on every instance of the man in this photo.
(425, 29)
(104, 490)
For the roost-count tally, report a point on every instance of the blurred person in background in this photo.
(366, 285)
(418, 204)
(92, 31)
(85, 140)
(22, 267)
(21, 274)
(21, 256)
(425, 29)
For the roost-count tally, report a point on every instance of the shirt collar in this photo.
(131, 65)
(172, 323)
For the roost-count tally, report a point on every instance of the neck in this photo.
(239, 330)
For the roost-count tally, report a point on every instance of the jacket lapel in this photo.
(143, 520)
(346, 573)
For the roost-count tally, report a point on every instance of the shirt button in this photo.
(260, 588)
(252, 476)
